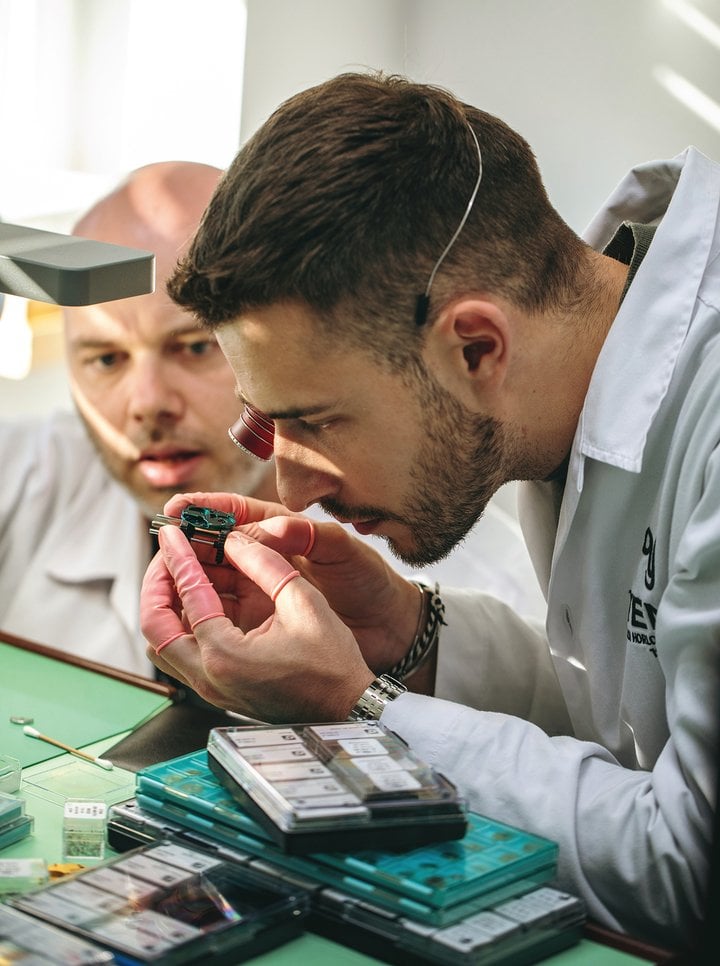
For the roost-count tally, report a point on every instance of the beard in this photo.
(459, 466)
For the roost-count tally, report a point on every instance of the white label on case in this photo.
(291, 770)
(121, 884)
(152, 870)
(363, 746)
(185, 858)
(326, 801)
(350, 729)
(47, 902)
(395, 781)
(288, 752)
(310, 788)
(378, 765)
(89, 897)
(258, 739)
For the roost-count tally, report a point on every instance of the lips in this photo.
(170, 468)
(366, 527)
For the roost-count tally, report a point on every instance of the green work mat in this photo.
(69, 703)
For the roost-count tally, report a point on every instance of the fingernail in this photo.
(170, 536)
(237, 536)
(275, 526)
(311, 539)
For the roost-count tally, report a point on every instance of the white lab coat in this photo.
(73, 546)
(631, 564)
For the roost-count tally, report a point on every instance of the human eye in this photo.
(201, 347)
(107, 361)
(197, 349)
(314, 427)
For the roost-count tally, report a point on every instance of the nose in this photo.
(303, 476)
(154, 395)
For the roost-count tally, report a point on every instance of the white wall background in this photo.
(91, 88)
(581, 80)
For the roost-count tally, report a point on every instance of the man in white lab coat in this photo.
(403, 303)
(154, 397)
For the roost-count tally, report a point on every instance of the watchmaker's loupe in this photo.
(254, 433)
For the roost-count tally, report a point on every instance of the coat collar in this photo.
(627, 387)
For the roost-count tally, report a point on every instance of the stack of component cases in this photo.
(487, 898)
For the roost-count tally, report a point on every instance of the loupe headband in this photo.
(423, 300)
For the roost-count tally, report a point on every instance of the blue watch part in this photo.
(205, 518)
(200, 524)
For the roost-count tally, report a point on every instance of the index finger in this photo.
(176, 581)
(244, 508)
(160, 612)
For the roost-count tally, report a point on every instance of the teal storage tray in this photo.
(438, 884)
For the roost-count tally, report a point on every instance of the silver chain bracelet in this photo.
(432, 618)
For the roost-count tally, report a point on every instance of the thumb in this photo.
(289, 535)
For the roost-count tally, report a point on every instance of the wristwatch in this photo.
(375, 698)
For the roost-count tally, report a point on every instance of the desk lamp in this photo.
(50, 267)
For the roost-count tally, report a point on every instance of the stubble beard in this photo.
(459, 466)
(458, 469)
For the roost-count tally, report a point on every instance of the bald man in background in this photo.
(153, 396)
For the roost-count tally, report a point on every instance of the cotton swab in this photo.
(34, 733)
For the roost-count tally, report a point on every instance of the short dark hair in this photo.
(344, 199)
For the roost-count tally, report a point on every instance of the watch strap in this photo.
(375, 698)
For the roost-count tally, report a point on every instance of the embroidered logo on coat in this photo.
(641, 622)
(641, 614)
(649, 551)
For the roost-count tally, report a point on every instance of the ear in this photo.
(473, 336)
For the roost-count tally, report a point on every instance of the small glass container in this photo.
(9, 774)
(83, 833)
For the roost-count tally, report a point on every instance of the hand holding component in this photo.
(300, 663)
(380, 607)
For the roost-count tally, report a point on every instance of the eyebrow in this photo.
(92, 343)
(295, 413)
(101, 343)
(205, 335)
